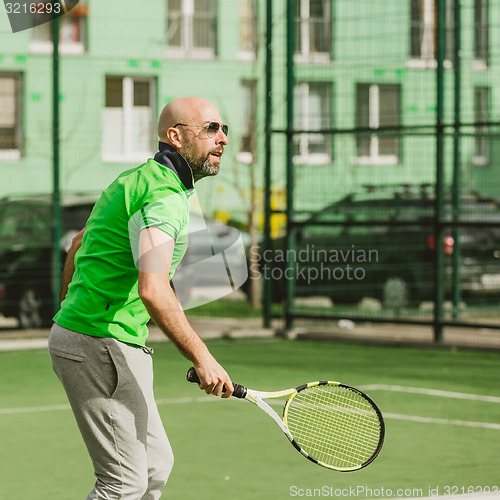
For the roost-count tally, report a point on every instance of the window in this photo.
(72, 32)
(192, 28)
(313, 30)
(249, 121)
(129, 123)
(378, 106)
(248, 29)
(481, 31)
(481, 115)
(10, 116)
(423, 32)
(313, 112)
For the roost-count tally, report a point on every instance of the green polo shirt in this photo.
(103, 298)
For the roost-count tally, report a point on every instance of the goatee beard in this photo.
(202, 167)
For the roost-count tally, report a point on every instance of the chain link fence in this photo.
(389, 131)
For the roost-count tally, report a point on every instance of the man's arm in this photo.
(155, 258)
(69, 264)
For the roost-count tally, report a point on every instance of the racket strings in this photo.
(343, 422)
(336, 425)
(355, 441)
(316, 435)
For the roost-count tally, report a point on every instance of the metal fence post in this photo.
(290, 237)
(56, 195)
(267, 295)
(438, 216)
(457, 179)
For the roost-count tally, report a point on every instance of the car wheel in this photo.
(396, 293)
(30, 309)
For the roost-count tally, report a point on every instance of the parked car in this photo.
(215, 263)
(26, 243)
(380, 243)
(215, 260)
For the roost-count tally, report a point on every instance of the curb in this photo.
(230, 328)
(22, 344)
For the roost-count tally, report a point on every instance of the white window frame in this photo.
(249, 107)
(248, 26)
(375, 158)
(15, 109)
(427, 58)
(481, 10)
(66, 48)
(303, 109)
(305, 55)
(128, 154)
(187, 50)
(482, 156)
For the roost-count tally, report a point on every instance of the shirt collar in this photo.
(170, 158)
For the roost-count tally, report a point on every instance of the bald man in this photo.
(116, 277)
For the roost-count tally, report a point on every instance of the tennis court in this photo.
(442, 411)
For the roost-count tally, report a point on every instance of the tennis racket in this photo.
(331, 424)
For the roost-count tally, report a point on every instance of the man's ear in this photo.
(175, 137)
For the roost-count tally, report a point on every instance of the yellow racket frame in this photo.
(347, 438)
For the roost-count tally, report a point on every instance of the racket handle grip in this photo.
(239, 390)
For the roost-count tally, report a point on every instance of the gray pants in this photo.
(109, 385)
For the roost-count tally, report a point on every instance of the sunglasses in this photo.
(212, 128)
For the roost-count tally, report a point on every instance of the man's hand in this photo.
(69, 264)
(213, 378)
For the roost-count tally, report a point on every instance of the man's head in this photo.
(188, 124)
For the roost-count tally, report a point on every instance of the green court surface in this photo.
(442, 412)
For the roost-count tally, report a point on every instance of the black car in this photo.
(26, 253)
(215, 263)
(380, 243)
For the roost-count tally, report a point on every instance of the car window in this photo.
(19, 220)
(75, 217)
(405, 207)
(23, 220)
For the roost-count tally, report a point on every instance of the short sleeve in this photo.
(168, 211)
(168, 214)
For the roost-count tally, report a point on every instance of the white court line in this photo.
(42, 409)
(33, 409)
(445, 421)
(201, 399)
(431, 392)
(211, 399)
